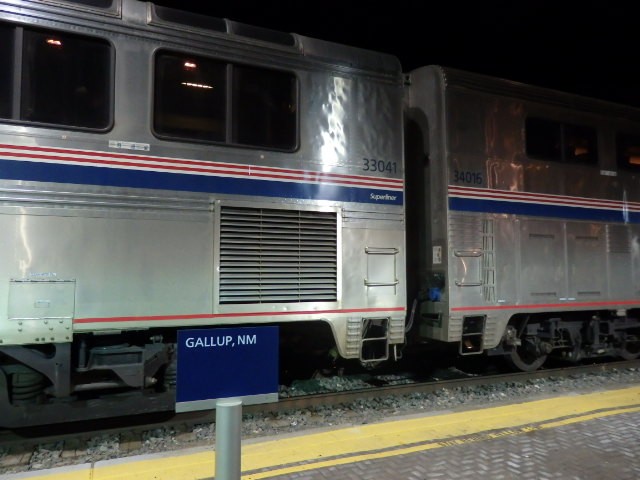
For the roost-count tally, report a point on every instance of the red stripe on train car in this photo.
(547, 305)
(198, 316)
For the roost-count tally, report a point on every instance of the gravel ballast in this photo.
(364, 411)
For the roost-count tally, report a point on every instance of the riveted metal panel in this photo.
(39, 311)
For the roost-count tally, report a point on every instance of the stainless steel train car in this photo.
(526, 221)
(162, 170)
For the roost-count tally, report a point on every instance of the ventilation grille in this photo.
(618, 240)
(465, 232)
(277, 256)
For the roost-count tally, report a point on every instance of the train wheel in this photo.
(630, 349)
(523, 360)
(525, 352)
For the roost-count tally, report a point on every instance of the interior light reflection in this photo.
(197, 85)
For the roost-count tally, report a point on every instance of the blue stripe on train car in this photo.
(543, 210)
(113, 177)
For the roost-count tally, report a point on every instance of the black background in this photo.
(589, 48)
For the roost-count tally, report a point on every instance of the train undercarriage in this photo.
(94, 377)
(574, 336)
(130, 373)
(118, 374)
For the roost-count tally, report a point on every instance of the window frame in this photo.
(17, 78)
(563, 130)
(626, 165)
(229, 95)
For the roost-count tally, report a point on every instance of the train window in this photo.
(543, 139)
(93, 3)
(264, 34)
(580, 144)
(189, 19)
(197, 98)
(65, 79)
(561, 142)
(628, 151)
(6, 58)
(190, 97)
(264, 108)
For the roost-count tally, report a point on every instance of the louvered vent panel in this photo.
(277, 256)
(618, 239)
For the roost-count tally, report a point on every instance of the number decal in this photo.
(472, 178)
(380, 166)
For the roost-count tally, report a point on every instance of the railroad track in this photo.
(16, 447)
(337, 398)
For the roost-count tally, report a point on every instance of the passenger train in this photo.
(162, 170)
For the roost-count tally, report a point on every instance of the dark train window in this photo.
(543, 139)
(628, 151)
(580, 144)
(264, 108)
(189, 19)
(190, 97)
(93, 3)
(201, 99)
(561, 142)
(6, 73)
(65, 79)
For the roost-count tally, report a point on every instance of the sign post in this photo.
(228, 433)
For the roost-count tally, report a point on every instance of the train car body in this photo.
(161, 170)
(526, 219)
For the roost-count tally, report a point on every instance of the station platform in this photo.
(578, 436)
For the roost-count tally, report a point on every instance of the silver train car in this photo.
(162, 170)
(524, 205)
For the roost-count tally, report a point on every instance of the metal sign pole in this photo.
(228, 433)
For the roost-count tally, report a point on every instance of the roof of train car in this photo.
(451, 77)
(143, 14)
(140, 14)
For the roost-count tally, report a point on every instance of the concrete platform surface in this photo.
(579, 436)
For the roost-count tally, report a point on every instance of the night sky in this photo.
(589, 47)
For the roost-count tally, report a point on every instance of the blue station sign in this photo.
(226, 363)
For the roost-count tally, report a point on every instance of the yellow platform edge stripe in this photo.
(396, 437)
